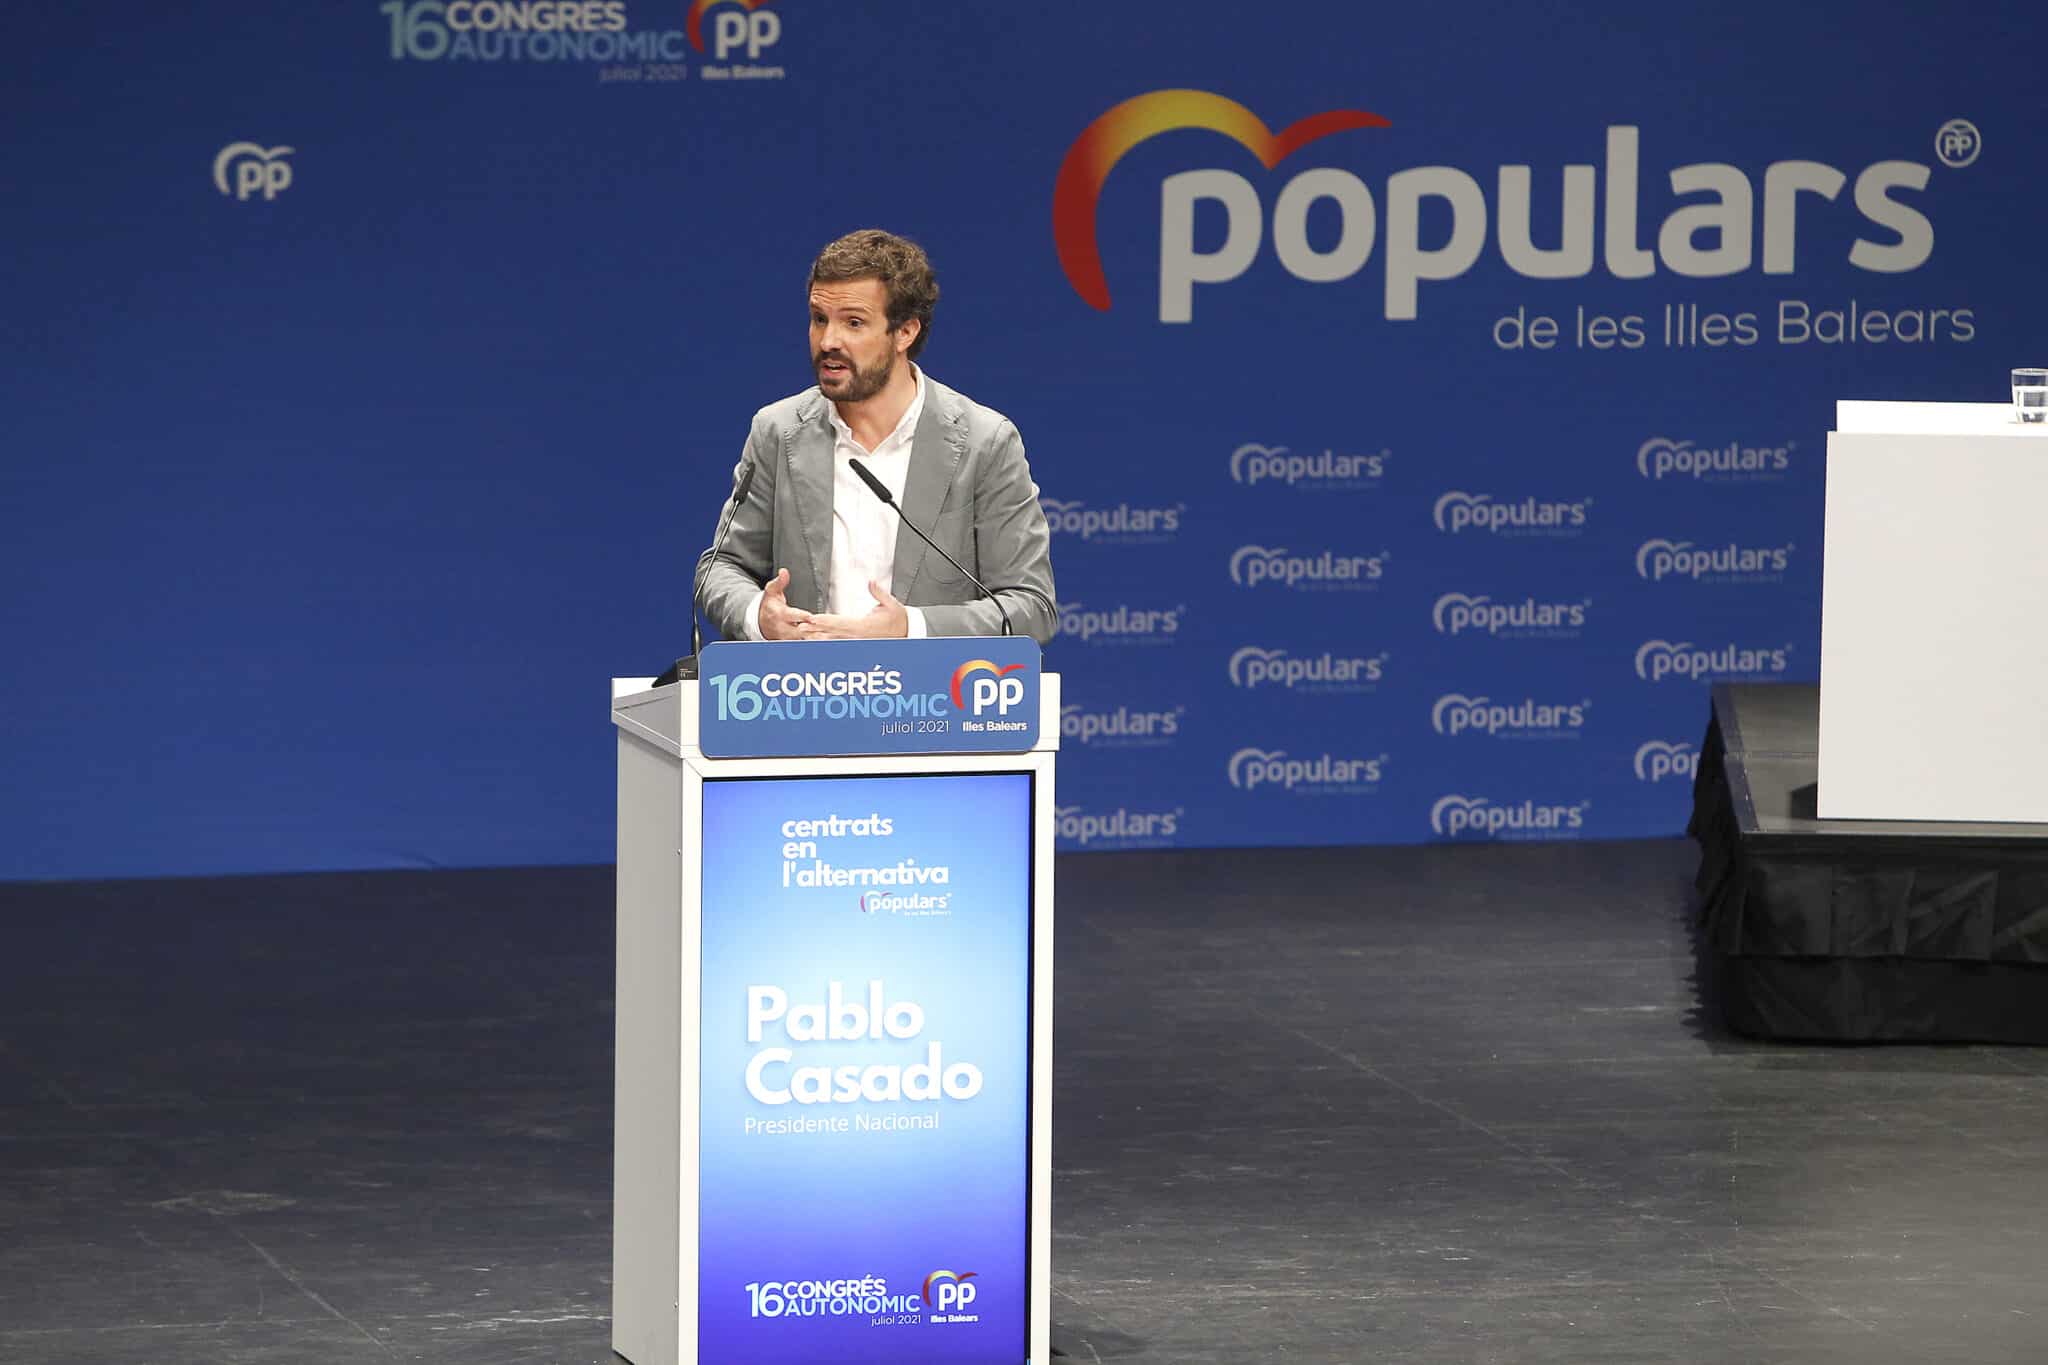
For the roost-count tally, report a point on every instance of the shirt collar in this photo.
(905, 426)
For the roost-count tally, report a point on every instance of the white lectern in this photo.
(1934, 615)
(833, 1135)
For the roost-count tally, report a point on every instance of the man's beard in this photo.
(861, 385)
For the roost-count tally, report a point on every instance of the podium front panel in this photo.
(748, 888)
(865, 1116)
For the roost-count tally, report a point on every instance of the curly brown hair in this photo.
(899, 263)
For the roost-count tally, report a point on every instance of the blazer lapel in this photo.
(935, 451)
(810, 476)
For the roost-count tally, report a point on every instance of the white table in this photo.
(1934, 615)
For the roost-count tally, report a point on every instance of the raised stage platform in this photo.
(1851, 930)
(1444, 1105)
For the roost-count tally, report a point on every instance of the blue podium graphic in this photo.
(869, 696)
(865, 1049)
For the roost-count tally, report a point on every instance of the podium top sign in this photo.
(800, 698)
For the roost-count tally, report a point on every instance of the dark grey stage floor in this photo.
(1454, 1104)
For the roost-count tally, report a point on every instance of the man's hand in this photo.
(888, 621)
(779, 620)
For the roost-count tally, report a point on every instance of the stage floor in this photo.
(1446, 1104)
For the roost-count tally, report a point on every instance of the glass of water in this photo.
(2030, 395)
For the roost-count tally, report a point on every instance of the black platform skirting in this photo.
(1857, 931)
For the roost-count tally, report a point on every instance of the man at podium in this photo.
(835, 483)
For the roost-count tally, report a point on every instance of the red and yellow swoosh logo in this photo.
(961, 1277)
(694, 25)
(1103, 143)
(975, 666)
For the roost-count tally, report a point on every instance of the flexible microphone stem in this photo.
(740, 486)
(687, 667)
(880, 490)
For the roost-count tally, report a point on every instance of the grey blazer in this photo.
(969, 486)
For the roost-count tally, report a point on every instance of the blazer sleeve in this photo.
(726, 582)
(1014, 546)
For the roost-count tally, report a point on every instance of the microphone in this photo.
(686, 667)
(876, 487)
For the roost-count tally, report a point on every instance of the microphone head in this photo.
(746, 481)
(874, 484)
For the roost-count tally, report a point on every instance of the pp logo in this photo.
(742, 24)
(1455, 816)
(1250, 769)
(1661, 457)
(1122, 524)
(1253, 565)
(1253, 463)
(1458, 511)
(1658, 759)
(1128, 828)
(946, 1291)
(1657, 660)
(1455, 613)
(1252, 666)
(254, 169)
(1659, 559)
(1958, 143)
(1120, 625)
(975, 695)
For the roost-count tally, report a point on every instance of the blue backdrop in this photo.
(372, 373)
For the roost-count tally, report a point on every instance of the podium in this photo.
(1933, 638)
(833, 1125)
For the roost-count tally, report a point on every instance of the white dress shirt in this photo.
(863, 526)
